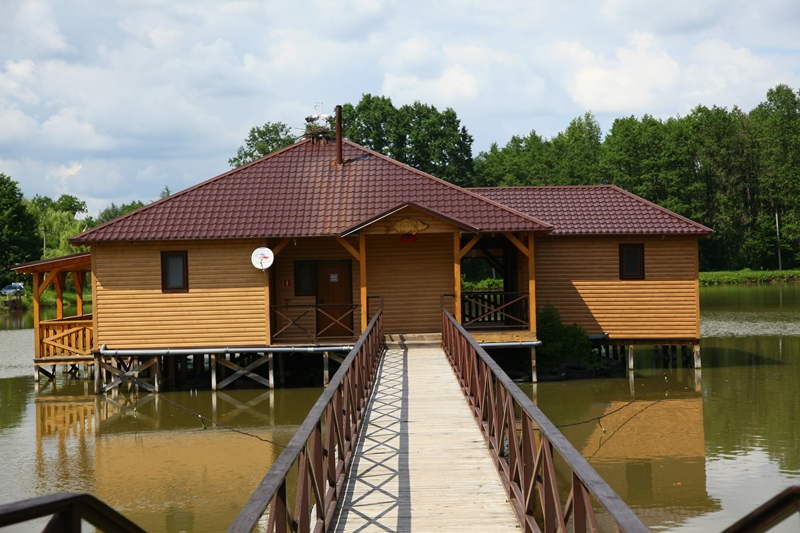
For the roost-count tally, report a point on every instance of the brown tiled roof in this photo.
(595, 209)
(299, 192)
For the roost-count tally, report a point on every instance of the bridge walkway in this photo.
(421, 463)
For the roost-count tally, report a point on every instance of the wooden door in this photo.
(334, 299)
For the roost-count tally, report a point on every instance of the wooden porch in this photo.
(66, 340)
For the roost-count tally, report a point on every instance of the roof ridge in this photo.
(451, 185)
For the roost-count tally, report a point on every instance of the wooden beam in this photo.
(457, 273)
(60, 283)
(362, 272)
(469, 245)
(513, 238)
(349, 247)
(531, 284)
(80, 280)
(280, 246)
(95, 298)
(37, 335)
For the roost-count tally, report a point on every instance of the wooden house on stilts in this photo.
(350, 230)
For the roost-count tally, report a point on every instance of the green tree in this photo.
(522, 161)
(113, 211)
(576, 153)
(776, 129)
(18, 240)
(261, 141)
(375, 124)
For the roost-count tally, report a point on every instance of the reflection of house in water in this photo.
(652, 453)
(65, 443)
(157, 464)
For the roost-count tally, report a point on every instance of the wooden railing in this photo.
(67, 510)
(317, 457)
(524, 451)
(66, 337)
(495, 310)
(769, 514)
(300, 323)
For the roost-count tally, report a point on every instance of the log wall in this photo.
(225, 305)
(580, 277)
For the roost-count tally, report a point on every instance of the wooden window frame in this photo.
(624, 249)
(184, 255)
(312, 272)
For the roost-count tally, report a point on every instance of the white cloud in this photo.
(639, 77)
(152, 93)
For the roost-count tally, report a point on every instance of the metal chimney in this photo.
(339, 160)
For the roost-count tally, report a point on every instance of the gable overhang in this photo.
(80, 262)
(361, 225)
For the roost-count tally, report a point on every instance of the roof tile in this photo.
(593, 209)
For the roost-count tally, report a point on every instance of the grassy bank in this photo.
(749, 276)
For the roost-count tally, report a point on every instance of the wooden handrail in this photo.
(524, 457)
(67, 511)
(769, 514)
(320, 451)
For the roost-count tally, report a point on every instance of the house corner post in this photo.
(457, 275)
(362, 274)
(531, 284)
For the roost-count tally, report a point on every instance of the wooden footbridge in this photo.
(429, 439)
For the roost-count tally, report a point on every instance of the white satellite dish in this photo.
(262, 258)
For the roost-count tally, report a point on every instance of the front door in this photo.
(334, 299)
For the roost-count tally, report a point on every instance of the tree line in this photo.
(40, 227)
(736, 172)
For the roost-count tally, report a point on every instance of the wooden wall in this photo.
(225, 305)
(411, 277)
(319, 249)
(580, 277)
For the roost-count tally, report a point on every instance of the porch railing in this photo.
(66, 337)
(300, 323)
(318, 455)
(495, 310)
(524, 451)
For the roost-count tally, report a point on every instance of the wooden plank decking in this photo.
(421, 464)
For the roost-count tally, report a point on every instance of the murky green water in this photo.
(697, 451)
(689, 452)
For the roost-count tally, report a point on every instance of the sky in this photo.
(112, 101)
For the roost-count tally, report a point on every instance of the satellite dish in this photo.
(262, 258)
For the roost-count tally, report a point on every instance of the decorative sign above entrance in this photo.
(408, 226)
(262, 258)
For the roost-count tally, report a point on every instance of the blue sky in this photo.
(111, 101)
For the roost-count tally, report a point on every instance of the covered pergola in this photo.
(64, 340)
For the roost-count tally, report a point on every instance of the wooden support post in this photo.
(362, 274)
(324, 369)
(157, 374)
(271, 371)
(457, 275)
(280, 369)
(531, 284)
(213, 365)
(696, 352)
(630, 357)
(534, 378)
(673, 356)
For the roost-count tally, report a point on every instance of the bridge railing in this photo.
(67, 510)
(524, 453)
(304, 484)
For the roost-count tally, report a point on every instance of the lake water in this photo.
(688, 451)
